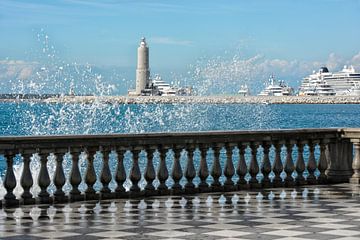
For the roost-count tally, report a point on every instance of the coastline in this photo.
(196, 100)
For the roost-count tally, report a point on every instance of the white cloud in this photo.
(170, 41)
(355, 60)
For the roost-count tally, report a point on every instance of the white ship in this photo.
(325, 83)
(244, 90)
(276, 88)
(163, 88)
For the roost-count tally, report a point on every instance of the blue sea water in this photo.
(50, 119)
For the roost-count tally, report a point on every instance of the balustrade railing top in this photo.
(237, 160)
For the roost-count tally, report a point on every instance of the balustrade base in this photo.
(11, 202)
(75, 198)
(92, 196)
(107, 195)
(245, 186)
(45, 200)
(255, 185)
(121, 194)
(177, 191)
(204, 189)
(136, 194)
(163, 191)
(218, 188)
(191, 190)
(354, 180)
(340, 176)
(61, 199)
(28, 201)
(290, 184)
(266, 184)
(151, 192)
(229, 188)
(301, 182)
(311, 181)
(278, 184)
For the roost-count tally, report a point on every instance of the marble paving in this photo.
(312, 212)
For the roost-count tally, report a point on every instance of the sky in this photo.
(281, 34)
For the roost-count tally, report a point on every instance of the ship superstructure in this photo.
(276, 88)
(326, 83)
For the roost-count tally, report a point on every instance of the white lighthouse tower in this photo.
(142, 70)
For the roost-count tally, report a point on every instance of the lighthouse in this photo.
(142, 70)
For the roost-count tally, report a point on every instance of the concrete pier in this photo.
(207, 100)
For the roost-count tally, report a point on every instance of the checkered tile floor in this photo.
(316, 212)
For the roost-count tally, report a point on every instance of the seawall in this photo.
(196, 99)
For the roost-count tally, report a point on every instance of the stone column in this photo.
(216, 169)
(229, 169)
(75, 176)
(26, 180)
(59, 178)
(355, 179)
(190, 172)
(10, 180)
(150, 174)
(120, 175)
(105, 176)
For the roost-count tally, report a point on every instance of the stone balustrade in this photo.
(199, 162)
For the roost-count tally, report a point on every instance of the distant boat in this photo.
(244, 90)
(276, 88)
(163, 87)
(325, 83)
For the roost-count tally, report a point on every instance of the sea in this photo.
(27, 118)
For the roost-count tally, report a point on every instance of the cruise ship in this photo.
(325, 83)
(276, 88)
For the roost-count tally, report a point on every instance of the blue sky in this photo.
(106, 33)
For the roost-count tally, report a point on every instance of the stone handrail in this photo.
(333, 163)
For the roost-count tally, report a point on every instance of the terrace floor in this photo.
(313, 212)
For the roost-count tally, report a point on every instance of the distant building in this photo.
(145, 86)
(142, 70)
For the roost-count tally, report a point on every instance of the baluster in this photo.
(266, 166)
(105, 176)
(26, 180)
(355, 178)
(150, 174)
(10, 180)
(177, 173)
(90, 176)
(229, 169)
(59, 179)
(254, 167)
(120, 175)
(216, 169)
(75, 178)
(311, 166)
(300, 164)
(135, 174)
(162, 173)
(323, 164)
(289, 165)
(43, 179)
(278, 166)
(203, 170)
(241, 170)
(190, 172)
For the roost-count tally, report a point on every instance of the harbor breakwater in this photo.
(196, 99)
(208, 99)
